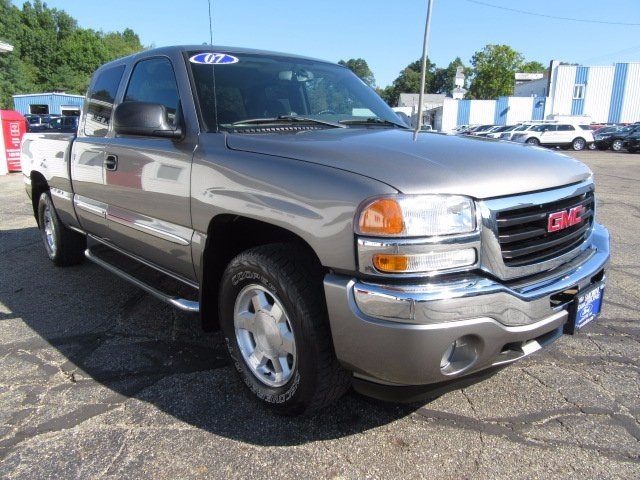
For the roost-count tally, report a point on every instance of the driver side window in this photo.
(154, 81)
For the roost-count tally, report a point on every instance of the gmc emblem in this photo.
(564, 219)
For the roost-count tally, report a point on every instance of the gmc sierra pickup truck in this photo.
(333, 246)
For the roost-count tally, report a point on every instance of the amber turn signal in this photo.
(383, 216)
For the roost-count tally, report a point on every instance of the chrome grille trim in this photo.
(515, 241)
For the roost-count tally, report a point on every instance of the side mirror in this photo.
(147, 119)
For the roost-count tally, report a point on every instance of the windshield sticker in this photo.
(210, 58)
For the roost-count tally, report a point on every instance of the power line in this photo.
(552, 16)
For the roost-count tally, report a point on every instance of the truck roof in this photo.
(172, 49)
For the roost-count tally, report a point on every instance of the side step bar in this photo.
(180, 303)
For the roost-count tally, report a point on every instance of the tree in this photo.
(51, 52)
(361, 69)
(494, 70)
(121, 44)
(532, 67)
(444, 78)
(409, 82)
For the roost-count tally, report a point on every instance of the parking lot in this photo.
(99, 380)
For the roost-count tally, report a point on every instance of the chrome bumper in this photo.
(398, 335)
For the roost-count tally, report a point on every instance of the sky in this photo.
(387, 34)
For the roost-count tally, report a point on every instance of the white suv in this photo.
(563, 135)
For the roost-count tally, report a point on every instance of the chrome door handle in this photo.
(111, 163)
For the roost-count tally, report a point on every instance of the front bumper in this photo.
(398, 335)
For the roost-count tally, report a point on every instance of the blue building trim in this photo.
(582, 76)
(617, 92)
(502, 109)
(464, 112)
(537, 112)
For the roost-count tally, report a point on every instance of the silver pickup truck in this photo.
(284, 201)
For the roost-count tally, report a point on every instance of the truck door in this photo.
(88, 152)
(147, 178)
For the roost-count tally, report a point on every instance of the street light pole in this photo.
(425, 47)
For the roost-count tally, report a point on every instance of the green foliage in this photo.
(532, 67)
(444, 78)
(409, 82)
(494, 69)
(51, 53)
(492, 75)
(361, 69)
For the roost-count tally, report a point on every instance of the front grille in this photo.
(523, 236)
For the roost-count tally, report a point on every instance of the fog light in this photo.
(448, 354)
(460, 355)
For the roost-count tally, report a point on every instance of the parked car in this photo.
(64, 124)
(39, 123)
(632, 141)
(563, 135)
(495, 133)
(522, 127)
(475, 131)
(614, 140)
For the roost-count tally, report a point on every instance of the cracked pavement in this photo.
(99, 380)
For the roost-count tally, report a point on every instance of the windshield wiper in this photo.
(372, 121)
(287, 118)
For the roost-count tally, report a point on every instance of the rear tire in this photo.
(273, 316)
(63, 246)
(578, 144)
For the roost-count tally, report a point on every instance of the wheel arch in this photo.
(227, 236)
(39, 185)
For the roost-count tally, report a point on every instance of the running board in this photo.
(180, 303)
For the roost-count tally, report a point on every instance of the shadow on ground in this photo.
(140, 349)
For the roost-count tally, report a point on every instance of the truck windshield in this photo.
(235, 90)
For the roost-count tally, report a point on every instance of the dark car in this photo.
(614, 140)
(632, 141)
(64, 124)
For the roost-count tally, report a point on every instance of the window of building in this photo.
(37, 109)
(578, 92)
(100, 101)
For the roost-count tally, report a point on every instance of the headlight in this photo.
(417, 216)
(410, 235)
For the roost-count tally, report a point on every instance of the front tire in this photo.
(63, 246)
(533, 141)
(273, 316)
(616, 145)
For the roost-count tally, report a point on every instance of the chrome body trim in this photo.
(91, 206)
(62, 194)
(163, 230)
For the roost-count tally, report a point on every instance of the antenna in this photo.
(210, 26)
(425, 48)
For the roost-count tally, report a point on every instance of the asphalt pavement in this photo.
(99, 380)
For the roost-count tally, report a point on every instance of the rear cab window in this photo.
(100, 100)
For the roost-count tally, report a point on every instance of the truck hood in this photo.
(432, 163)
